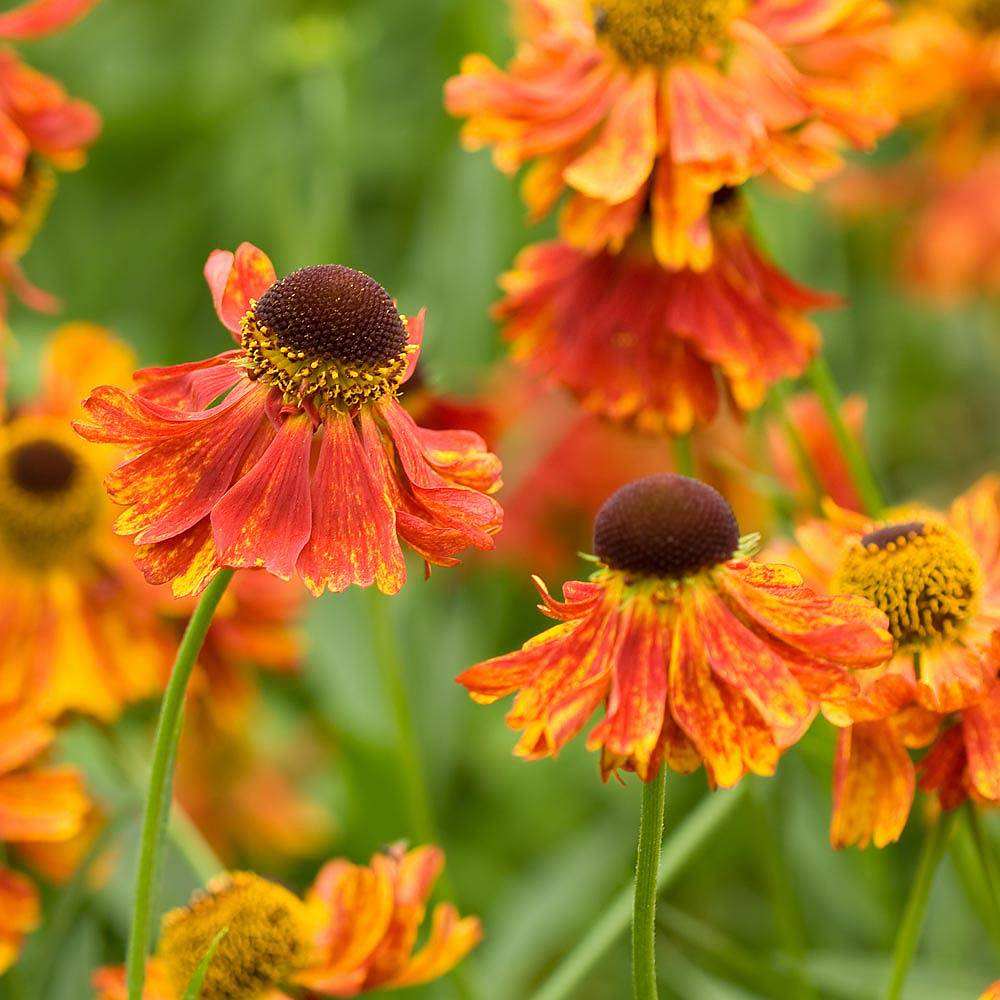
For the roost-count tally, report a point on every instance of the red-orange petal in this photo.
(235, 279)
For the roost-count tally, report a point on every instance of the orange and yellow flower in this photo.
(79, 628)
(937, 577)
(38, 805)
(41, 128)
(698, 653)
(641, 344)
(630, 104)
(355, 932)
(308, 464)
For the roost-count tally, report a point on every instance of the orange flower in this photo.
(355, 932)
(637, 343)
(630, 102)
(937, 577)
(250, 483)
(370, 917)
(79, 628)
(40, 127)
(992, 992)
(38, 805)
(698, 653)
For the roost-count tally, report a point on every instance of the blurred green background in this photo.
(316, 131)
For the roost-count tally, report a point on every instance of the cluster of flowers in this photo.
(296, 453)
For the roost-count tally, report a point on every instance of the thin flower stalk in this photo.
(646, 871)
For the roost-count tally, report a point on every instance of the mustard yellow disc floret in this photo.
(266, 939)
(658, 31)
(50, 496)
(921, 573)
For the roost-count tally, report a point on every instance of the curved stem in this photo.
(987, 860)
(908, 935)
(646, 871)
(821, 379)
(387, 654)
(168, 731)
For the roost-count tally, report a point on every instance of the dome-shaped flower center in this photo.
(329, 334)
(665, 526)
(265, 943)
(921, 574)
(658, 31)
(49, 496)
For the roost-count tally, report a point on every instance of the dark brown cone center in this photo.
(42, 468)
(665, 526)
(332, 313)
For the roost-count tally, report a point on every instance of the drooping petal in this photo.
(265, 520)
(43, 805)
(451, 939)
(953, 675)
(42, 17)
(235, 279)
(873, 785)
(191, 386)
(20, 913)
(981, 729)
(353, 541)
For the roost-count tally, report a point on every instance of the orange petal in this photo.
(873, 786)
(235, 279)
(45, 805)
(953, 675)
(20, 913)
(981, 728)
(42, 17)
(622, 159)
(451, 939)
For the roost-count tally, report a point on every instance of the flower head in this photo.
(937, 578)
(355, 931)
(637, 343)
(636, 104)
(79, 628)
(293, 453)
(698, 653)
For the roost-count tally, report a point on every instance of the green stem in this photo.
(154, 820)
(678, 849)
(646, 870)
(821, 379)
(908, 935)
(390, 665)
(684, 455)
(987, 860)
(800, 453)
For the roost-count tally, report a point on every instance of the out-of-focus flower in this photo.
(826, 459)
(637, 343)
(369, 919)
(244, 792)
(937, 577)
(629, 103)
(698, 653)
(355, 931)
(78, 625)
(439, 411)
(38, 804)
(41, 128)
(308, 464)
(992, 992)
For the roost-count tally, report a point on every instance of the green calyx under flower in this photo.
(920, 573)
(665, 527)
(50, 497)
(327, 335)
(654, 32)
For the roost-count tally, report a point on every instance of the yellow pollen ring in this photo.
(266, 939)
(655, 32)
(44, 527)
(925, 578)
(328, 384)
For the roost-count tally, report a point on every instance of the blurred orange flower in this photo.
(629, 102)
(640, 344)
(249, 482)
(79, 628)
(355, 932)
(40, 127)
(38, 805)
(698, 653)
(937, 577)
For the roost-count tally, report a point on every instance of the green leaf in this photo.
(193, 991)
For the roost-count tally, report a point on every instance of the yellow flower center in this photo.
(658, 31)
(265, 940)
(50, 496)
(921, 574)
(326, 334)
